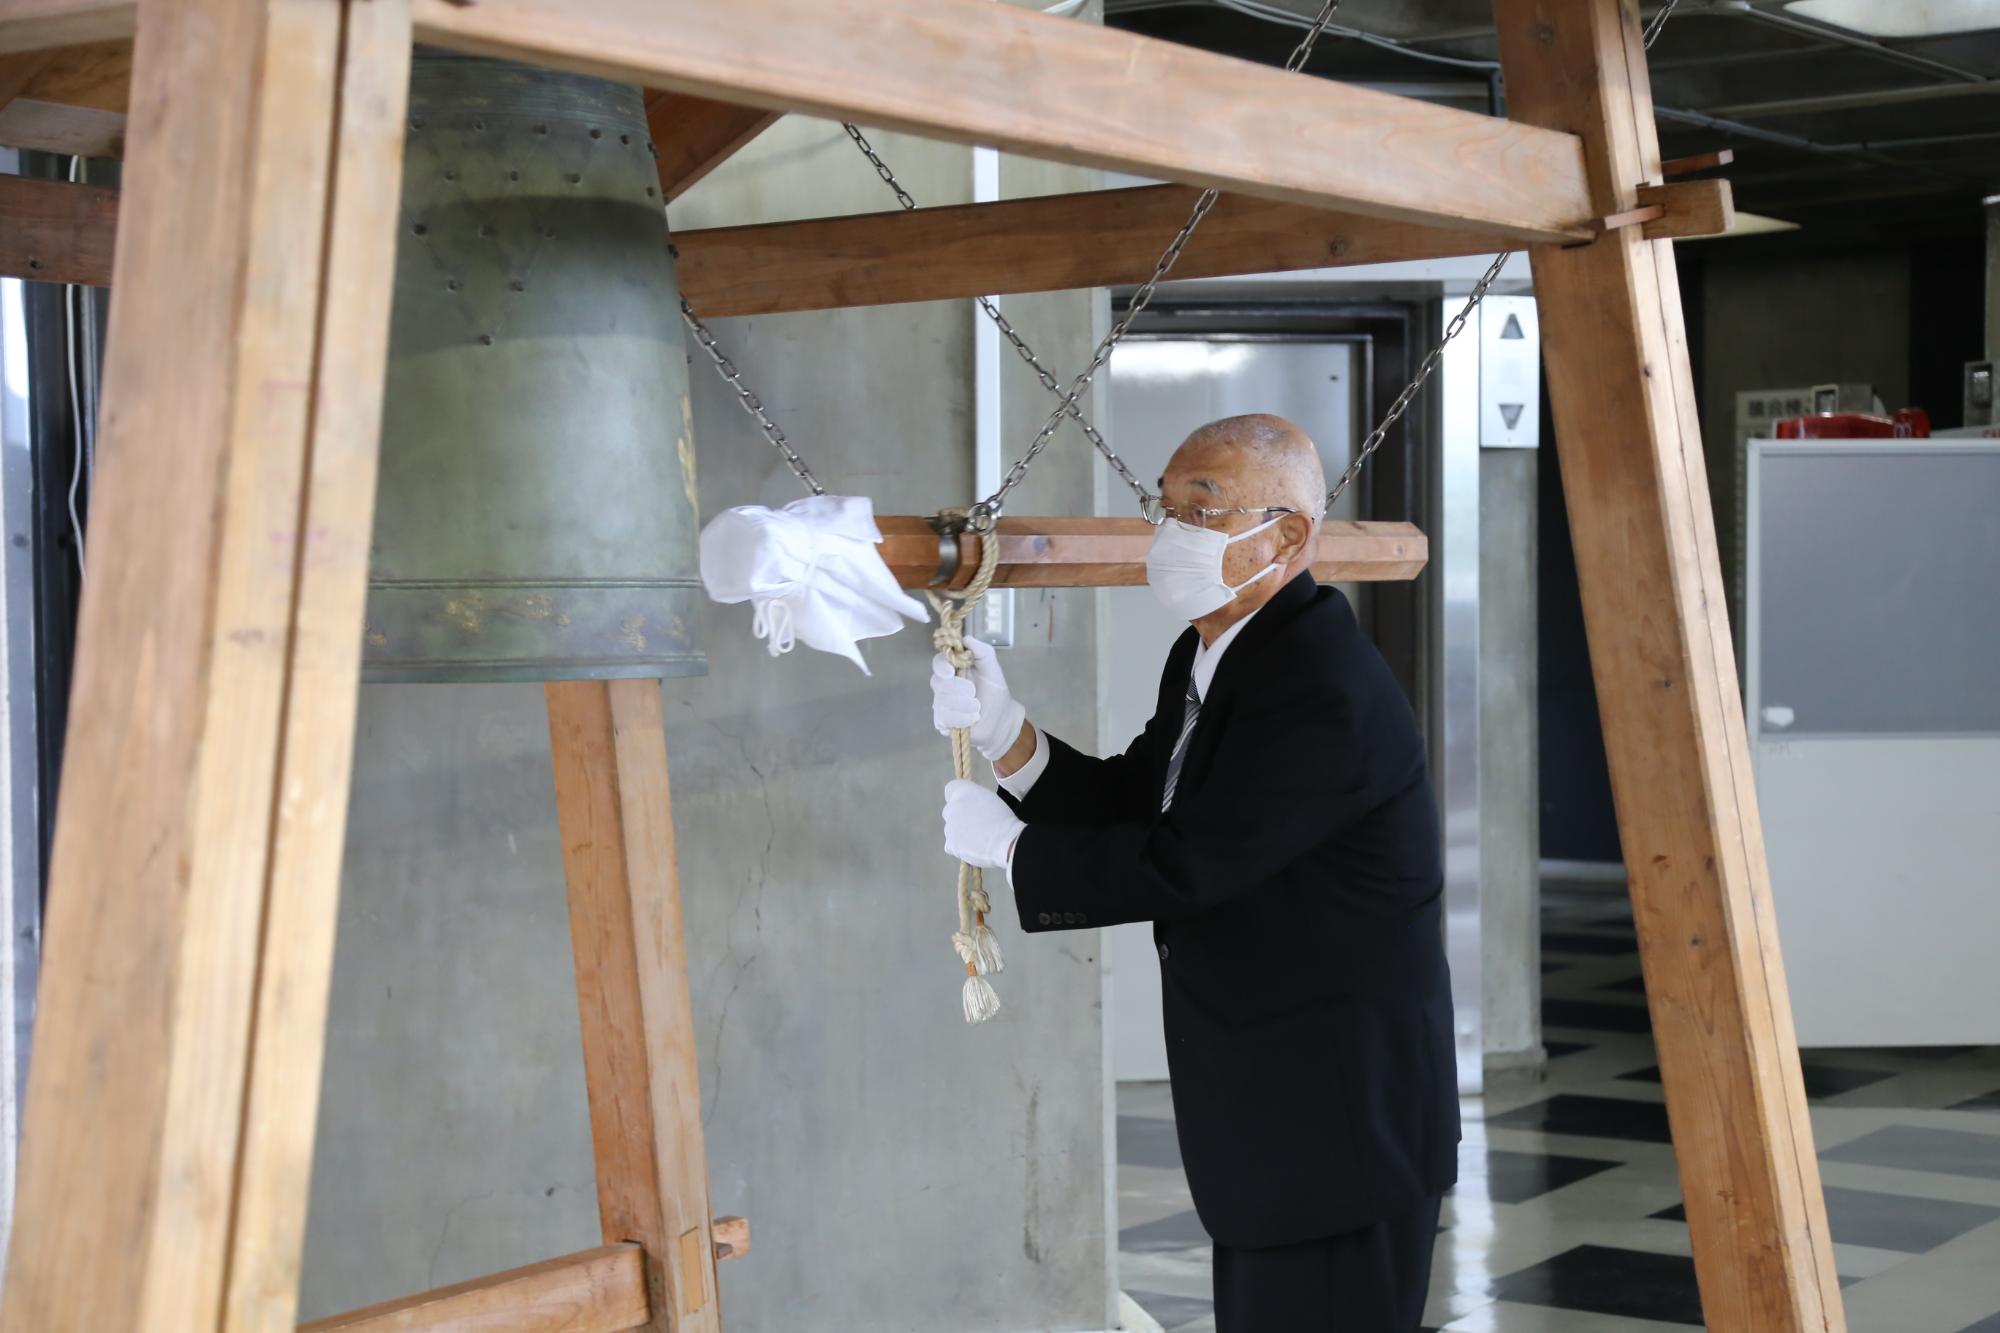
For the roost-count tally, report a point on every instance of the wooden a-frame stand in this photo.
(168, 1134)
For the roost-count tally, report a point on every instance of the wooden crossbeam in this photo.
(598, 1291)
(38, 25)
(67, 101)
(54, 232)
(1096, 239)
(692, 136)
(1111, 552)
(975, 72)
(1651, 582)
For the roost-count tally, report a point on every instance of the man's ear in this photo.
(1295, 531)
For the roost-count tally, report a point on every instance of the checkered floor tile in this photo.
(1568, 1216)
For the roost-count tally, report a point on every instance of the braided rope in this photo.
(977, 947)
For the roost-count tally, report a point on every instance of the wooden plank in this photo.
(36, 25)
(51, 231)
(1653, 603)
(732, 1237)
(295, 966)
(20, 69)
(70, 100)
(1111, 552)
(164, 827)
(597, 1291)
(1691, 208)
(1097, 238)
(616, 814)
(81, 131)
(976, 72)
(692, 136)
(1094, 239)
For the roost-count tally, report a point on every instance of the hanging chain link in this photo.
(983, 514)
(750, 402)
(1409, 393)
(987, 511)
(986, 303)
(1659, 21)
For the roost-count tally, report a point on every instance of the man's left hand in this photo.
(979, 829)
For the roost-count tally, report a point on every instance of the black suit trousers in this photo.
(1372, 1280)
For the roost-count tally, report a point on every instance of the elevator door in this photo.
(1160, 389)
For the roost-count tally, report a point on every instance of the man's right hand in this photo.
(979, 702)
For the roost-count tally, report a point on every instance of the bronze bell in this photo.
(537, 513)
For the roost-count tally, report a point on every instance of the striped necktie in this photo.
(1181, 744)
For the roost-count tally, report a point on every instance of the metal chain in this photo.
(751, 403)
(988, 510)
(1409, 393)
(1659, 22)
(986, 304)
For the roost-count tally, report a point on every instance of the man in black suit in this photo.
(1275, 822)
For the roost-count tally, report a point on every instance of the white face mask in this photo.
(1184, 567)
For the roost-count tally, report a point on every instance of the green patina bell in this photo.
(536, 518)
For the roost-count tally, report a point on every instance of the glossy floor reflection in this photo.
(1567, 1218)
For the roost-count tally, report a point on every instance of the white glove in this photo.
(979, 701)
(979, 829)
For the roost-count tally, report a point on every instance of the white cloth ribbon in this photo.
(813, 571)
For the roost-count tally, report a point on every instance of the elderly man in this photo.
(1275, 823)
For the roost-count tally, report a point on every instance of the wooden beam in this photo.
(51, 231)
(295, 966)
(1111, 552)
(37, 25)
(616, 813)
(1095, 239)
(161, 882)
(692, 136)
(1689, 208)
(597, 1291)
(732, 1237)
(1632, 469)
(976, 72)
(1099, 238)
(70, 100)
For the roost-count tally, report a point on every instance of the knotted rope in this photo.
(977, 947)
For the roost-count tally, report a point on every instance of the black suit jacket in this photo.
(1295, 890)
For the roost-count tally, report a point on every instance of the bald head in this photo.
(1254, 463)
(1256, 452)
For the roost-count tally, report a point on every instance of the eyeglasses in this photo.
(1157, 511)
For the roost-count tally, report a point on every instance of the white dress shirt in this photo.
(1207, 656)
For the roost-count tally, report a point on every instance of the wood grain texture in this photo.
(1691, 208)
(1111, 552)
(36, 25)
(70, 100)
(732, 1237)
(164, 827)
(294, 971)
(616, 815)
(597, 1291)
(1640, 515)
(51, 231)
(975, 72)
(1095, 239)
(692, 136)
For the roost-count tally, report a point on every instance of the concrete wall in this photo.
(901, 1171)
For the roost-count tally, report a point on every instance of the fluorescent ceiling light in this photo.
(1901, 18)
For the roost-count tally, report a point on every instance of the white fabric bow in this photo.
(813, 570)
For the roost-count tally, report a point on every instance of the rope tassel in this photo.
(978, 948)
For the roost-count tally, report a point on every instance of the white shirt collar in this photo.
(1208, 656)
